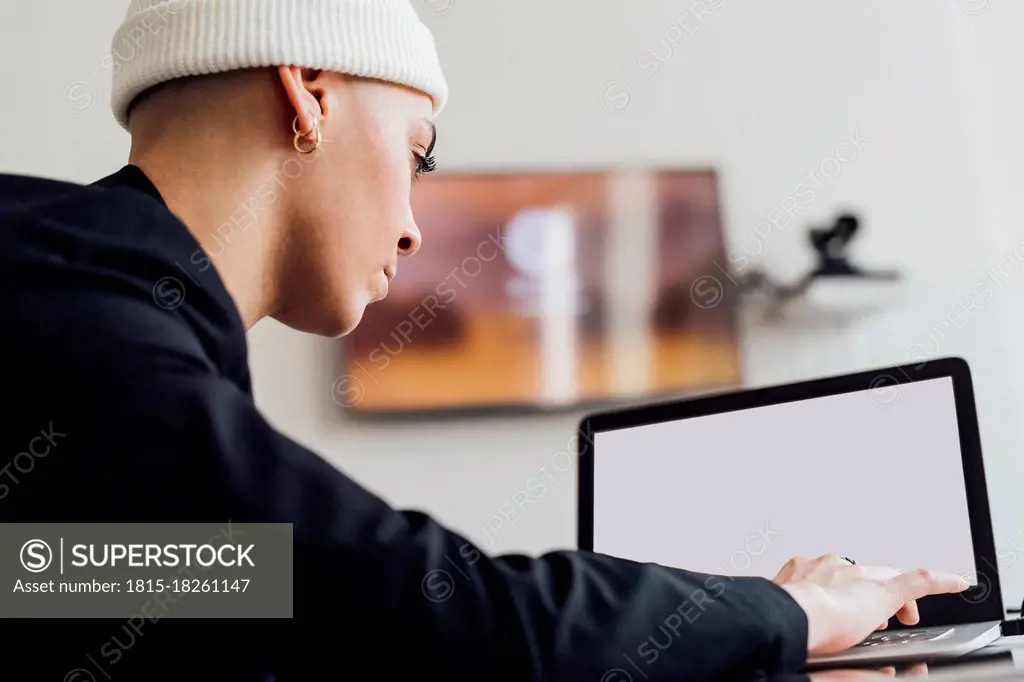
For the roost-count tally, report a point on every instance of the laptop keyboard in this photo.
(905, 636)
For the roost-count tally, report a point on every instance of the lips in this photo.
(382, 288)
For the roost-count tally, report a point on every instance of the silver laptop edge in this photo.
(964, 639)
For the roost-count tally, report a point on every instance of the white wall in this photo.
(765, 91)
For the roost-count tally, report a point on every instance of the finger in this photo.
(826, 565)
(909, 614)
(793, 570)
(884, 625)
(784, 573)
(830, 560)
(921, 583)
(888, 670)
(917, 669)
(879, 572)
(849, 674)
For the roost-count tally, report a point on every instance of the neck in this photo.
(227, 204)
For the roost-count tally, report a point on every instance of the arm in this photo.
(156, 434)
(416, 593)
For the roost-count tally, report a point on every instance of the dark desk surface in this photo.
(1001, 660)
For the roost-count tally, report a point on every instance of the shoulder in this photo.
(105, 276)
(42, 215)
(75, 245)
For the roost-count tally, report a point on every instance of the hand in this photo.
(856, 675)
(845, 603)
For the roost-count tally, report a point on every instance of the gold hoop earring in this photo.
(302, 142)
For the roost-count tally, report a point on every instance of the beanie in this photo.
(161, 40)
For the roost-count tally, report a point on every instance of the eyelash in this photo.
(425, 164)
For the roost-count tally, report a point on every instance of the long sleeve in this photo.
(403, 581)
(158, 429)
(396, 590)
(566, 615)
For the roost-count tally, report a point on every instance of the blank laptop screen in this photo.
(875, 476)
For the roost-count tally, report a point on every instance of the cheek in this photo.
(388, 170)
(399, 183)
(371, 185)
(386, 159)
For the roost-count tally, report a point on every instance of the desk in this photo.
(1001, 660)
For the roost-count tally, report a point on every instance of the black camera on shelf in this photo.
(831, 246)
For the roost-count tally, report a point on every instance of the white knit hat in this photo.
(161, 40)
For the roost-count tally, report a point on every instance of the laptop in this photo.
(883, 467)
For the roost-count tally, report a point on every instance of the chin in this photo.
(330, 324)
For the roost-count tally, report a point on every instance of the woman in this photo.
(274, 147)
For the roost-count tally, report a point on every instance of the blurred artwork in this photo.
(552, 289)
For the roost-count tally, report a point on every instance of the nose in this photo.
(411, 239)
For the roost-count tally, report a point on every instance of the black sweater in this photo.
(122, 341)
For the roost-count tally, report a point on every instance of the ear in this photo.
(304, 89)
